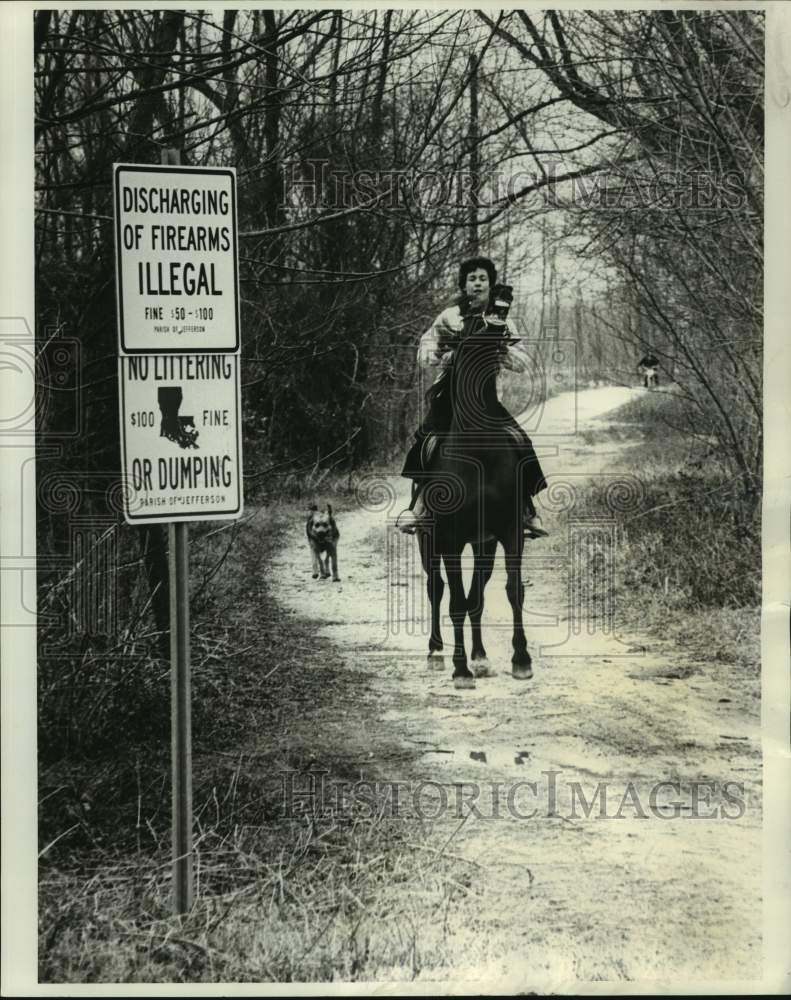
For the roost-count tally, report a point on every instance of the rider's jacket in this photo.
(438, 342)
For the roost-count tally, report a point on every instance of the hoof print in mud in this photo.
(435, 661)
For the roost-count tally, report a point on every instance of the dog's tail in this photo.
(329, 509)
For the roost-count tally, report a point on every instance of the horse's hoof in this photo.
(463, 683)
(435, 661)
(336, 579)
(315, 576)
(481, 668)
(522, 672)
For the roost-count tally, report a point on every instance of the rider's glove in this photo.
(450, 321)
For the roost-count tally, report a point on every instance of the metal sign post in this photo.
(178, 329)
(180, 696)
(180, 715)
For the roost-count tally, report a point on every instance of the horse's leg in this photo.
(435, 586)
(482, 572)
(462, 678)
(521, 667)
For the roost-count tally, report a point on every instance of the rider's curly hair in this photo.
(467, 266)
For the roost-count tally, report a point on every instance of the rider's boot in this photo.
(531, 521)
(416, 516)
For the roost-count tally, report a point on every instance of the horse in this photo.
(474, 497)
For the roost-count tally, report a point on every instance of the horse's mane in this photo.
(474, 376)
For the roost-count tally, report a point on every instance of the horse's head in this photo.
(474, 378)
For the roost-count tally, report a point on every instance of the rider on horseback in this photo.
(647, 367)
(470, 313)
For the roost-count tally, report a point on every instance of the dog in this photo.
(323, 535)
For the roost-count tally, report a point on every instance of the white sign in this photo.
(181, 437)
(176, 259)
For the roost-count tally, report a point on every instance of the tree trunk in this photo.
(475, 164)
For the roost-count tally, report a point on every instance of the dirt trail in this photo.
(557, 895)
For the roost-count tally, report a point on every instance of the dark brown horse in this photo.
(474, 498)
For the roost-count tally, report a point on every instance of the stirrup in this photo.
(411, 527)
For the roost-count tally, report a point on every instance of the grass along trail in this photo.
(511, 767)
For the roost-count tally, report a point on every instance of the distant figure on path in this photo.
(647, 368)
